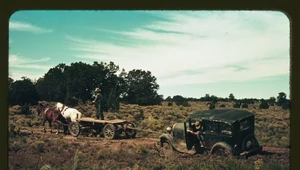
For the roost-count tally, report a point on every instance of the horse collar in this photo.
(63, 110)
(46, 110)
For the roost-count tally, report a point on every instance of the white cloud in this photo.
(17, 75)
(207, 42)
(22, 26)
(31, 68)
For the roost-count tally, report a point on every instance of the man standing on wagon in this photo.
(98, 99)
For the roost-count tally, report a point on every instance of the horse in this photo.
(51, 115)
(67, 112)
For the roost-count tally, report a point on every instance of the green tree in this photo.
(141, 88)
(22, 92)
(10, 88)
(272, 101)
(281, 98)
(214, 99)
(113, 100)
(179, 100)
(79, 80)
(231, 97)
(168, 98)
(52, 87)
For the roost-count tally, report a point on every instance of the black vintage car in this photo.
(223, 131)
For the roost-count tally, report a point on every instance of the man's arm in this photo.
(96, 97)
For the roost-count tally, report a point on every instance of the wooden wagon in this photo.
(110, 129)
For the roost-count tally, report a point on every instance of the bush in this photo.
(286, 105)
(140, 116)
(170, 103)
(244, 105)
(237, 105)
(38, 147)
(13, 129)
(16, 146)
(264, 105)
(222, 105)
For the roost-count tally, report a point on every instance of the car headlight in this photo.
(169, 129)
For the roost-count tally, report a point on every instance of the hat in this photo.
(97, 89)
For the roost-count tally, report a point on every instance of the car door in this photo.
(211, 133)
(226, 133)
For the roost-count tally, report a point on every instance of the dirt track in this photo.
(280, 154)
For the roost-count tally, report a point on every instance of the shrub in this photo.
(76, 161)
(140, 116)
(38, 146)
(286, 105)
(237, 105)
(15, 146)
(170, 103)
(264, 105)
(13, 129)
(244, 105)
(222, 105)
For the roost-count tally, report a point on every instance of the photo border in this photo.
(7, 8)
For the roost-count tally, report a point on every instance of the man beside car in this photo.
(196, 131)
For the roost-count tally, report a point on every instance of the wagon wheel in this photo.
(74, 128)
(130, 133)
(109, 131)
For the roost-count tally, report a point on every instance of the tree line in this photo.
(280, 100)
(74, 83)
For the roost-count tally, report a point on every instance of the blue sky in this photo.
(191, 53)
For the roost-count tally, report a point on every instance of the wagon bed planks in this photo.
(93, 120)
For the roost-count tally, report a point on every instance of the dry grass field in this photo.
(30, 148)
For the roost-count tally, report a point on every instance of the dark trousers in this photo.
(100, 112)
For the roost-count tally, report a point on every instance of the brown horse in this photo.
(51, 115)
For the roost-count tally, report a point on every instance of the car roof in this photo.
(227, 115)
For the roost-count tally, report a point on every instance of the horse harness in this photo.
(45, 111)
(63, 109)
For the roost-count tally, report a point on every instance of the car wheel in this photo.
(166, 149)
(222, 149)
(249, 143)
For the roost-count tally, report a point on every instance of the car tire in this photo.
(249, 142)
(221, 149)
(166, 149)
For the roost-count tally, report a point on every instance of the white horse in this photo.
(67, 112)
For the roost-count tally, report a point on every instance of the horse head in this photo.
(59, 106)
(39, 108)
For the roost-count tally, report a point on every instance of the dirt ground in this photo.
(281, 155)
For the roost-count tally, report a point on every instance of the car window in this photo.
(245, 124)
(211, 126)
(225, 128)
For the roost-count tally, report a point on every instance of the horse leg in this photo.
(44, 125)
(57, 127)
(50, 126)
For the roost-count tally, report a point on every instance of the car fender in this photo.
(167, 137)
